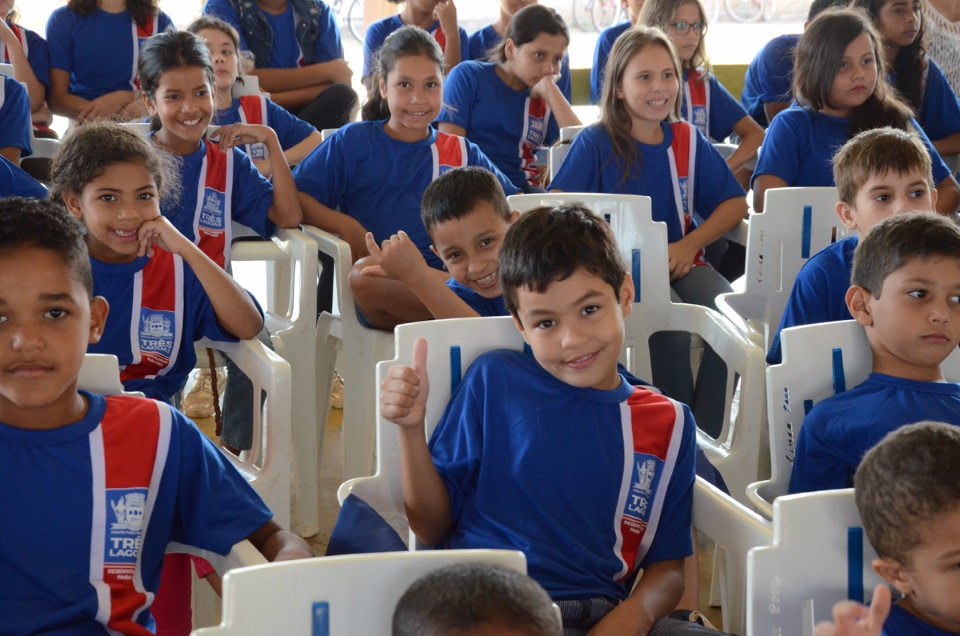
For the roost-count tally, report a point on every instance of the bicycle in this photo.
(353, 17)
(597, 15)
(746, 11)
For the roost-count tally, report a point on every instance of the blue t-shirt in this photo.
(819, 291)
(600, 54)
(64, 533)
(486, 307)
(939, 114)
(77, 46)
(900, 622)
(591, 166)
(838, 431)
(14, 182)
(507, 125)
(716, 122)
(15, 125)
(800, 145)
(483, 40)
(290, 129)
(519, 450)
(365, 173)
(769, 77)
(36, 50)
(379, 30)
(286, 50)
(140, 329)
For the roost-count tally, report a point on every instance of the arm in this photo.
(22, 72)
(949, 145)
(403, 401)
(446, 13)
(452, 129)
(276, 544)
(948, 196)
(724, 218)
(853, 619)
(280, 80)
(348, 228)
(295, 154)
(62, 101)
(762, 183)
(751, 136)
(562, 111)
(655, 596)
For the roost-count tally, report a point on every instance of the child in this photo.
(705, 103)
(474, 598)
(87, 79)
(369, 176)
(917, 79)
(436, 17)
(485, 40)
(298, 53)
(602, 50)
(879, 173)
(835, 84)
(119, 472)
(296, 137)
(496, 473)
(27, 52)
(639, 147)
(511, 107)
(905, 291)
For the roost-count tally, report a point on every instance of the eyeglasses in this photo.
(682, 28)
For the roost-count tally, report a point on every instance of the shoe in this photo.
(199, 401)
(336, 395)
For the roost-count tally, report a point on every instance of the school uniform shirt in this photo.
(379, 30)
(800, 145)
(15, 124)
(567, 475)
(93, 505)
(838, 431)
(259, 109)
(14, 182)
(286, 52)
(939, 113)
(483, 40)
(600, 54)
(365, 173)
(769, 77)
(34, 48)
(508, 125)
(484, 306)
(709, 106)
(819, 291)
(78, 46)
(900, 622)
(158, 309)
(591, 166)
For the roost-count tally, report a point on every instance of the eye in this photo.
(591, 309)
(643, 77)
(918, 194)
(109, 198)
(453, 256)
(668, 75)
(403, 84)
(868, 61)
(202, 92)
(487, 242)
(146, 196)
(433, 85)
(917, 293)
(844, 65)
(545, 324)
(56, 313)
(171, 97)
(882, 198)
(538, 55)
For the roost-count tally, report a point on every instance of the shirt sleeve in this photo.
(59, 39)
(940, 169)
(581, 167)
(775, 72)
(459, 97)
(714, 182)
(322, 173)
(252, 196)
(457, 445)
(600, 54)
(477, 158)
(15, 123)
(940, 111)
(725, 111)
(329, 44)
(290, 129)
(782, 151)
(165, 22)
(817, 464)
(39, 59)
(202, 312)
(372, 41)
(476, 45)
(806, 305)
(224, 10)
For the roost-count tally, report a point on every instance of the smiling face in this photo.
(470, 248)
(899, 22)
(536, 59)
(184, 103)
(224, 56)
(413, 90)
(855, 79)
(575, 328)
(649, 87)
(884, 195)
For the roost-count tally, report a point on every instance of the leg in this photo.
(670, 362)
(333, 107)
(237, 434)
(384, 302)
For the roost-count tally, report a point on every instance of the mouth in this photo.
(582, 362)
(30, 370)
(936, 338)
(190, 123)
(489, 281)
(125, 235)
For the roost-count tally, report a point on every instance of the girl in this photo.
(918, 80)
(512, 106)
(705, 103)
(838, 95)
(369, 176)
(641, 147)
(27, 52)
(604, 43)
(297, 138)
(88, 79)
(436, 17)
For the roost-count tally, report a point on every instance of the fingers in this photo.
(373, 270)
(420, 357)
(880, 606)
(371, 242)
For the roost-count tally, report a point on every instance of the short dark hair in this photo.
(906, 481)
(548, 244)
(458, 598)
(896, 240)
(819, 6)
(876, 152)
(526, 25)
(45, 225)
(457, 193)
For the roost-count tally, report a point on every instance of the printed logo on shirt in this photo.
(211, 215)
(536, 116)
(123, 538)
(700, 118)
(156, 335)
(258, 151)
(646, 477)
(682, 182)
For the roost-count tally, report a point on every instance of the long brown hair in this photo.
(140, 10)
(659, 13)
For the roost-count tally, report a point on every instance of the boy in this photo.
(905, 291)
(878, 173)
(99, 484)
(526, 440)
(466, 215)
(475, 598)
(908, 494)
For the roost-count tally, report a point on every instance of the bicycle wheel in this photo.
(745, 10)
(581, 13)
(355, 20)
(604, 13)
(769, 6)
(712, 7)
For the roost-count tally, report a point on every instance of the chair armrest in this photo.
(729, 523)
(758, 494)
(241, 555)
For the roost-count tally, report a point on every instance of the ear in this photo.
(519, 326)
(845, 212)
(436, 253)
(150, 105)
(858, 302)
(99, 308)
(934, 195)
(627, 295)
(72, 201)
(894, 573)
(382, 85)
(509, 49)
(618, 92)
(514, 216)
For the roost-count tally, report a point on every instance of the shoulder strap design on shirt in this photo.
(3, 92)
(21, 38)
(440, 37)
(211, 220)
(449, 152)
(653, 428)
(536, 115)
(253, 110)
(140, 34)
(127, 469)
(683, 161)
(696, 94)
(156, 317)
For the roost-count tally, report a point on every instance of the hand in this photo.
(104, 106)
(544, 86)
(403, 394)
(335, 71)
(400, 258)
(853, 619)
(681, 255)
(446, 12)
(356, 235)
(234, 135)
(623, 620)
(159, 231)
(6, 34)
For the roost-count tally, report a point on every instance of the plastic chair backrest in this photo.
(326, 132)
(334, 596)
(560, 149)
(246, 85)
(100, 373)
(819, 556)
(796, 224)
(6, 69)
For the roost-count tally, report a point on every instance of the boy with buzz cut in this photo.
(555, 453)
(100, 485)
(905, 291)
(908, 494)
(879, 173)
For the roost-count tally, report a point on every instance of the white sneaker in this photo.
(199, 401)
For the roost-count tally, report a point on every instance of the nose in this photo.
(27, 337)
(940, 311)
(573, 336)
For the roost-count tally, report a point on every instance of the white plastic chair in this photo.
(819, 556)
(326, 132)
(818, 362)
(346, 595)
(100, 373)
(561, 148)
(250, 85)
(796, 224)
